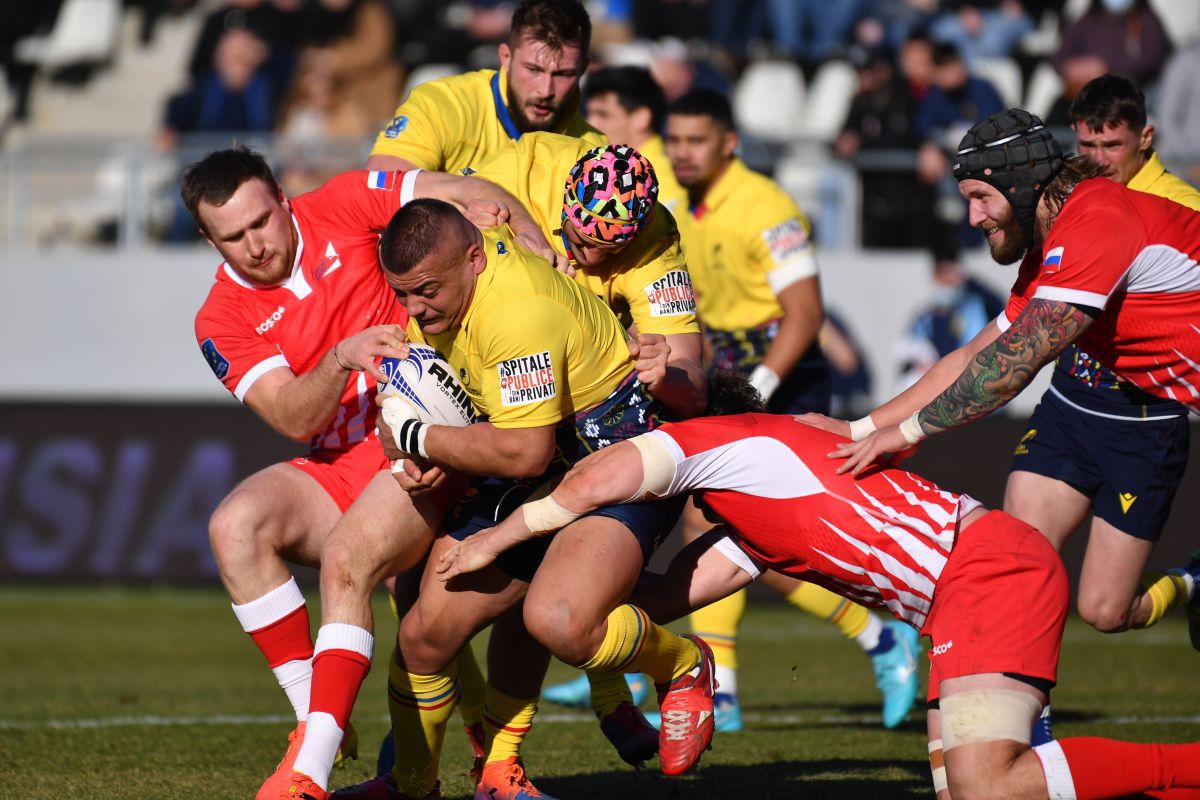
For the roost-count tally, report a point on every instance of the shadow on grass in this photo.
(829, 779)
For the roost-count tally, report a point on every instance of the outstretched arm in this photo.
(612, 475)
(997, 374)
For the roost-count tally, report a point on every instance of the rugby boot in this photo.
(506, 780)
(636, 739)
(272, 785)
(1043, 728)
(1193, 606)
(299, 786)
(896, 671)
(727, 714)
(686, 705)
(382, 787)
(578, 693)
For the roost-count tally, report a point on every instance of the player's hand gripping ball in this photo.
(424, 387)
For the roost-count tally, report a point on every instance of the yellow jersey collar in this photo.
(722, 188)
(1150, 172)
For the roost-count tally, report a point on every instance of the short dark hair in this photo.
(730, 392)
(214, 178)
(945, 53)
(1109, 100)
(634, 88)
(705, 103)
(1076, 169)
(414, 232)
(554, 22)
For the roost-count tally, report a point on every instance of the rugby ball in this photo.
(427, 382)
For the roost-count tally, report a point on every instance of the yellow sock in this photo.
(1165, 590)
(506, 721)
(633, 643)
(717, 623)
(420, 706)
(609, 690)
(850, 618)
(472, 687)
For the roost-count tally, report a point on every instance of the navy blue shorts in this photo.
(627, 412)
(1129, 468)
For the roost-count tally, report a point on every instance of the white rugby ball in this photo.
(427, 382)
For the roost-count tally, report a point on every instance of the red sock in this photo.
(342, 661)
(1172, 794)
(1103, 768)
(286, 639)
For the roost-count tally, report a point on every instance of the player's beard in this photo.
(1013, 245)
(517, 109)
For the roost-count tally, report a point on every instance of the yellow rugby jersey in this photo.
(648, 284)
(455, 124)
(1153, 178)
(534, 347)
(745, 243)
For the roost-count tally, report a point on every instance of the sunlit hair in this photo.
(1076, 170)
(556, 23)
(1108, 101)
(214, 178)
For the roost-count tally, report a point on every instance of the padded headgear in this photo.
(610, 194)
(1012, 151)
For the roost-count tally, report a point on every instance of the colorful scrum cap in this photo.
(610, 193)
(1012, 151)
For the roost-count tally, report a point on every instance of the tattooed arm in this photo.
(998, 373)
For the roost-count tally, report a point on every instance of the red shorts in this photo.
(343, 474)
(1000, 604)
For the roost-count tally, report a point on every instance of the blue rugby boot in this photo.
(578, 693)
(895, 663)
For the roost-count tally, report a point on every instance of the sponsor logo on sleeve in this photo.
(671, 295)
(395, 127)
(526, 379)
(381, 180)
(1053, 260)
(786, 240)
(218, 363)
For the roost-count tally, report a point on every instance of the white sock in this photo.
(869, 639)
(295, 677)
(322, 738)
(1059, 783)
(726, 680)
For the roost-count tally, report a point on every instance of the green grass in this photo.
(155, 693)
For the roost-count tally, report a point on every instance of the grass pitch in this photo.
(156, 693)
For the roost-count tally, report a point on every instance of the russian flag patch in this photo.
(381, 180)
(1053, 259)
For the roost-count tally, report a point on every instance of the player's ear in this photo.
(1146, 140)
(505, 53)
(729, 143)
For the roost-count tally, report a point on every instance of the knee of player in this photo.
(341, 570)
(420, 649)
(558, 625)
(235, 527)
(1104, 614)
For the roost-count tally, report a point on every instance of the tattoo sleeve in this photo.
(1003, 368)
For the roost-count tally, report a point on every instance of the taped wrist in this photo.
(911, 429)
(861, 428)
(410, 437)
(765, 381)
(547, 515)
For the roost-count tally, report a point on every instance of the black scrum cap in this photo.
(1012, 151)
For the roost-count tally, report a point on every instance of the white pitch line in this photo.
(154, 721)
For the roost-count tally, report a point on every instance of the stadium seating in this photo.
(768, 101)
(1044, 88)
(829, 99)
(1004, 74)
(84, 33)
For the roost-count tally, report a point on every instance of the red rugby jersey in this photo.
(881, 539)
(1134, 255)
(335, 290)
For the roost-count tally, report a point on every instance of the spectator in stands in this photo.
(896, 209)
(1179, 113)
(1124, 37)
(890, 23)
(674, 19)
(240, 94)
(810, 31)
(277, 23)
(982, 28)
(356, 41)
(959, 307)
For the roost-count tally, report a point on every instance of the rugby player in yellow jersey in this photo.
(456, 124)
(628, 106)
(639, 272)
(759, 299)
(550, 367)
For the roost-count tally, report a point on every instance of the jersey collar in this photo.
(721, 189)
(499, 89)
(295, 283)
(1151, 171)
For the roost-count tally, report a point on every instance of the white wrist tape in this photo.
(911, 429)
(861, 428)
(765, 381)
(546, 515)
